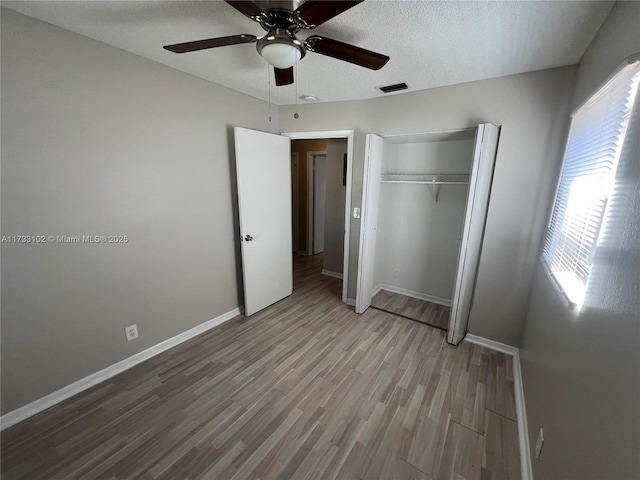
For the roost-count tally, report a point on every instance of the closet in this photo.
(424, 205)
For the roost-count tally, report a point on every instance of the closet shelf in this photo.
(434, 180)
(429, 179)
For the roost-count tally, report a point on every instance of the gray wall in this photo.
(532, 110)
(581, 372)
(333, 257)
(97, 141)
(418, 237)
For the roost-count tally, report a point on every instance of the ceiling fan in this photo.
(279, 46)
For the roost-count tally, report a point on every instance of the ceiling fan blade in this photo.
(346, 52)
(210, 43)
(315, 12)
(247, 8)
(284, 76)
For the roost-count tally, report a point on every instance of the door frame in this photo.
(295, 206)
(349, 135)
(311, 197)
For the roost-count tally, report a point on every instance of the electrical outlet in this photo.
(131, 332)
(539, 443)
(356, 212)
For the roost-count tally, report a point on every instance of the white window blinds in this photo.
(597, 133)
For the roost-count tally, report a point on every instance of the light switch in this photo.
(356, 212)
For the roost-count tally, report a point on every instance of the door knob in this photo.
(248, 238)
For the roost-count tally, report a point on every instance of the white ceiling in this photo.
(431, 43)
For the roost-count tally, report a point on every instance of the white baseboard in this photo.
(329, 273)
(526, 470)
(9, 419)
(492, 344)
(351, 302)
(410, 293)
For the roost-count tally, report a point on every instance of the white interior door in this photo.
(484, 155)
(263, 164)
(369, 221)
(319, 195)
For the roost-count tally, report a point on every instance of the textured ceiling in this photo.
(431, 43)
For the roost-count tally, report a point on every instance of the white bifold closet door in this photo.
(263, 164)
(481, 176)
(369, 221)
(484, 154)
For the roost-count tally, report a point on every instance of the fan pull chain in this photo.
(269, 90)
(297, 79)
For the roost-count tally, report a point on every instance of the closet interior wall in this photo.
(419, 225)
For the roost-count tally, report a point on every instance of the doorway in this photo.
(319, 204)
(322, 203)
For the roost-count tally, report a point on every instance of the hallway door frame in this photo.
(311, 198)
(295, 188)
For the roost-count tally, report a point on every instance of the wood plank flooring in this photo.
(305, 389)
(419, 310)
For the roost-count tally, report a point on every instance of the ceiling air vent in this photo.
(393, 88)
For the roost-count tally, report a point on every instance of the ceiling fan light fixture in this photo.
(281, 55)
(280, 48)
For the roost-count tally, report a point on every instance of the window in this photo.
(597, 134)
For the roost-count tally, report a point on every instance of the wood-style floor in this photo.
(419, 310)
(304, 389)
